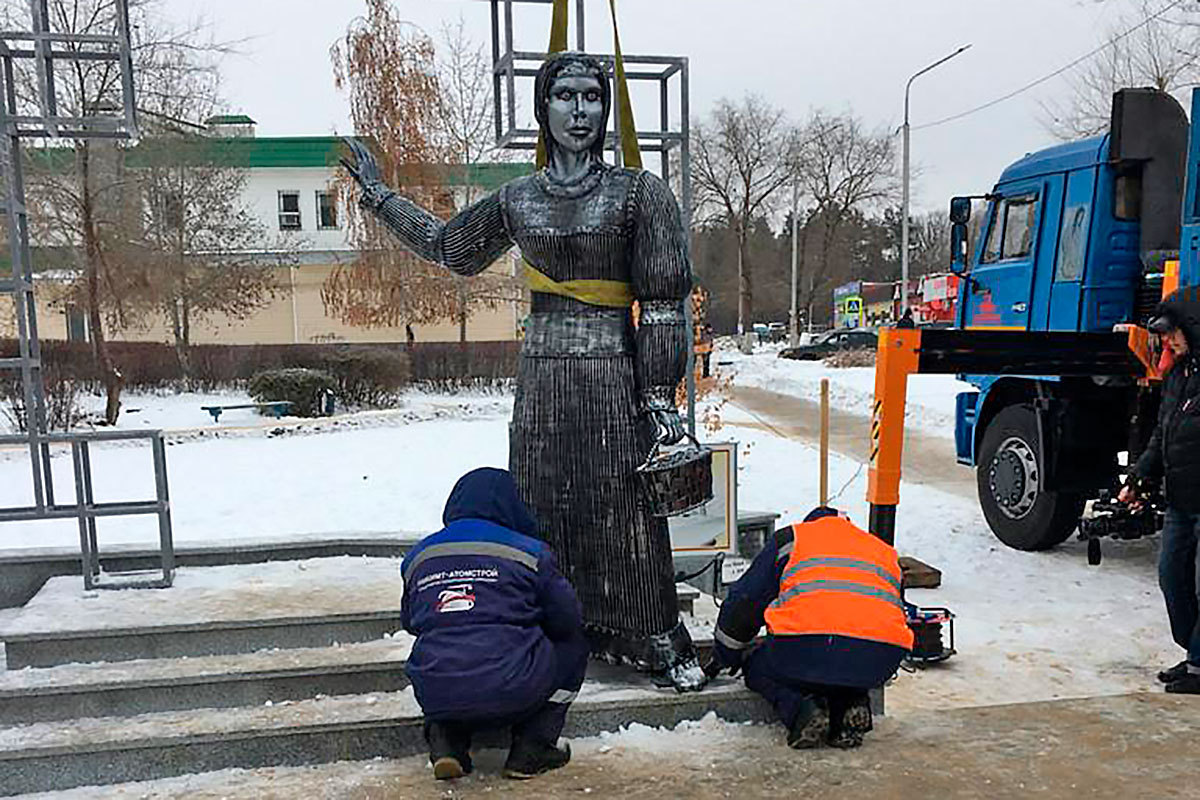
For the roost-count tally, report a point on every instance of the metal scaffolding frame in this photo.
(509, 64)
(45, 49)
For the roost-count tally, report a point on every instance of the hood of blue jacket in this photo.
(1183, 308)
(490, 494)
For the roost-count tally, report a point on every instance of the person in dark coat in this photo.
(1173, 454)
(499, 631)
(830, 596)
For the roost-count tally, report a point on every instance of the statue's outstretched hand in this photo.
(363, 167)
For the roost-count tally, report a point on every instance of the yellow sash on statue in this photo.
(594, 292)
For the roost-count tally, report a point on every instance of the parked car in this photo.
(778, 331)
(831, 342)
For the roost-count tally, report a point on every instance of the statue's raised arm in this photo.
(466, 244)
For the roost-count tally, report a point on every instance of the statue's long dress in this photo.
(577, 436)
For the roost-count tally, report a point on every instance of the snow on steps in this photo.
(83, 752)
(214, 698)
(230, 609)
(243, 679)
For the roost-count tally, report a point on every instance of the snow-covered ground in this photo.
(183, 412)
(1031, 626)
(256, 477)
(930, 398)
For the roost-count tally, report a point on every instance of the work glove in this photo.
(726, 658)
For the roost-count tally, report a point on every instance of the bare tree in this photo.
(929, 243)
(741, 157)
(84, 190)
(202, 251)
(843, 169)
(467, 125)
(387, 67)
(1143, 49)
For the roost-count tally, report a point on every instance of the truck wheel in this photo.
(1017, 509)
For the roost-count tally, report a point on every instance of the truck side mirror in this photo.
(958, 248)
(960, 210)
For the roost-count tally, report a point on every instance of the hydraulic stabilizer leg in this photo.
(903, 352)
(897, 359)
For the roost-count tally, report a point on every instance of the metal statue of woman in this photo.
(592, 394)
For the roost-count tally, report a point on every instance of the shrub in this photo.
(60, 390)
(451, 366)
(365, 376)
(304, 388)
(153, 365)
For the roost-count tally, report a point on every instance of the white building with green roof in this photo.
(289, 190)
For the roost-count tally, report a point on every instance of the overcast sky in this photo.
(799, 54)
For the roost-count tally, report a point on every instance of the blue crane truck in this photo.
(1076, 246)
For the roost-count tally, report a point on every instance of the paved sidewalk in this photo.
(1140, 745)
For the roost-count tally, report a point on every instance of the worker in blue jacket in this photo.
(499, 631)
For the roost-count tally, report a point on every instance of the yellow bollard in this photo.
(824, 441)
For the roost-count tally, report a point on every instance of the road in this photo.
(928, 459)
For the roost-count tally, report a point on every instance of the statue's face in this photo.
(575, 113)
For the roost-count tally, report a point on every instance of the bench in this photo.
(277, 408)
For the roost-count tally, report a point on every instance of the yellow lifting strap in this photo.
(631, 152)
(613, 294)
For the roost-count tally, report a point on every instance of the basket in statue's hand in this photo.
(677, 482)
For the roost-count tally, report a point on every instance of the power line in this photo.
(1056, 72)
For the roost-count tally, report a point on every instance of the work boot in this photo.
(527, 758)
(811, 727)
(448, 751)
(1189, 683)
(1174, 673)
(852, 724)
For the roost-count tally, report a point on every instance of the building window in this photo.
(76, 324)
(171, 210)
(289, 211)
(326, 211)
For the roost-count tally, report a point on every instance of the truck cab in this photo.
(1079, 237)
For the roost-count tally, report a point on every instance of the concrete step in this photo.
(215, 611)
(52, 648)
(245, 679)
(209, 611)
(62, 755)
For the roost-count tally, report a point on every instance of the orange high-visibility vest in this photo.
(842, 581)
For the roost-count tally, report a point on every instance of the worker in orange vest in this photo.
(830, 596)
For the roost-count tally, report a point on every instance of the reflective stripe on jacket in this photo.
(840, 581)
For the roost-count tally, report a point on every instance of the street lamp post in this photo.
(904, 203)
(793, 322)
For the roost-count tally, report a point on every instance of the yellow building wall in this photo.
(295, 315)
